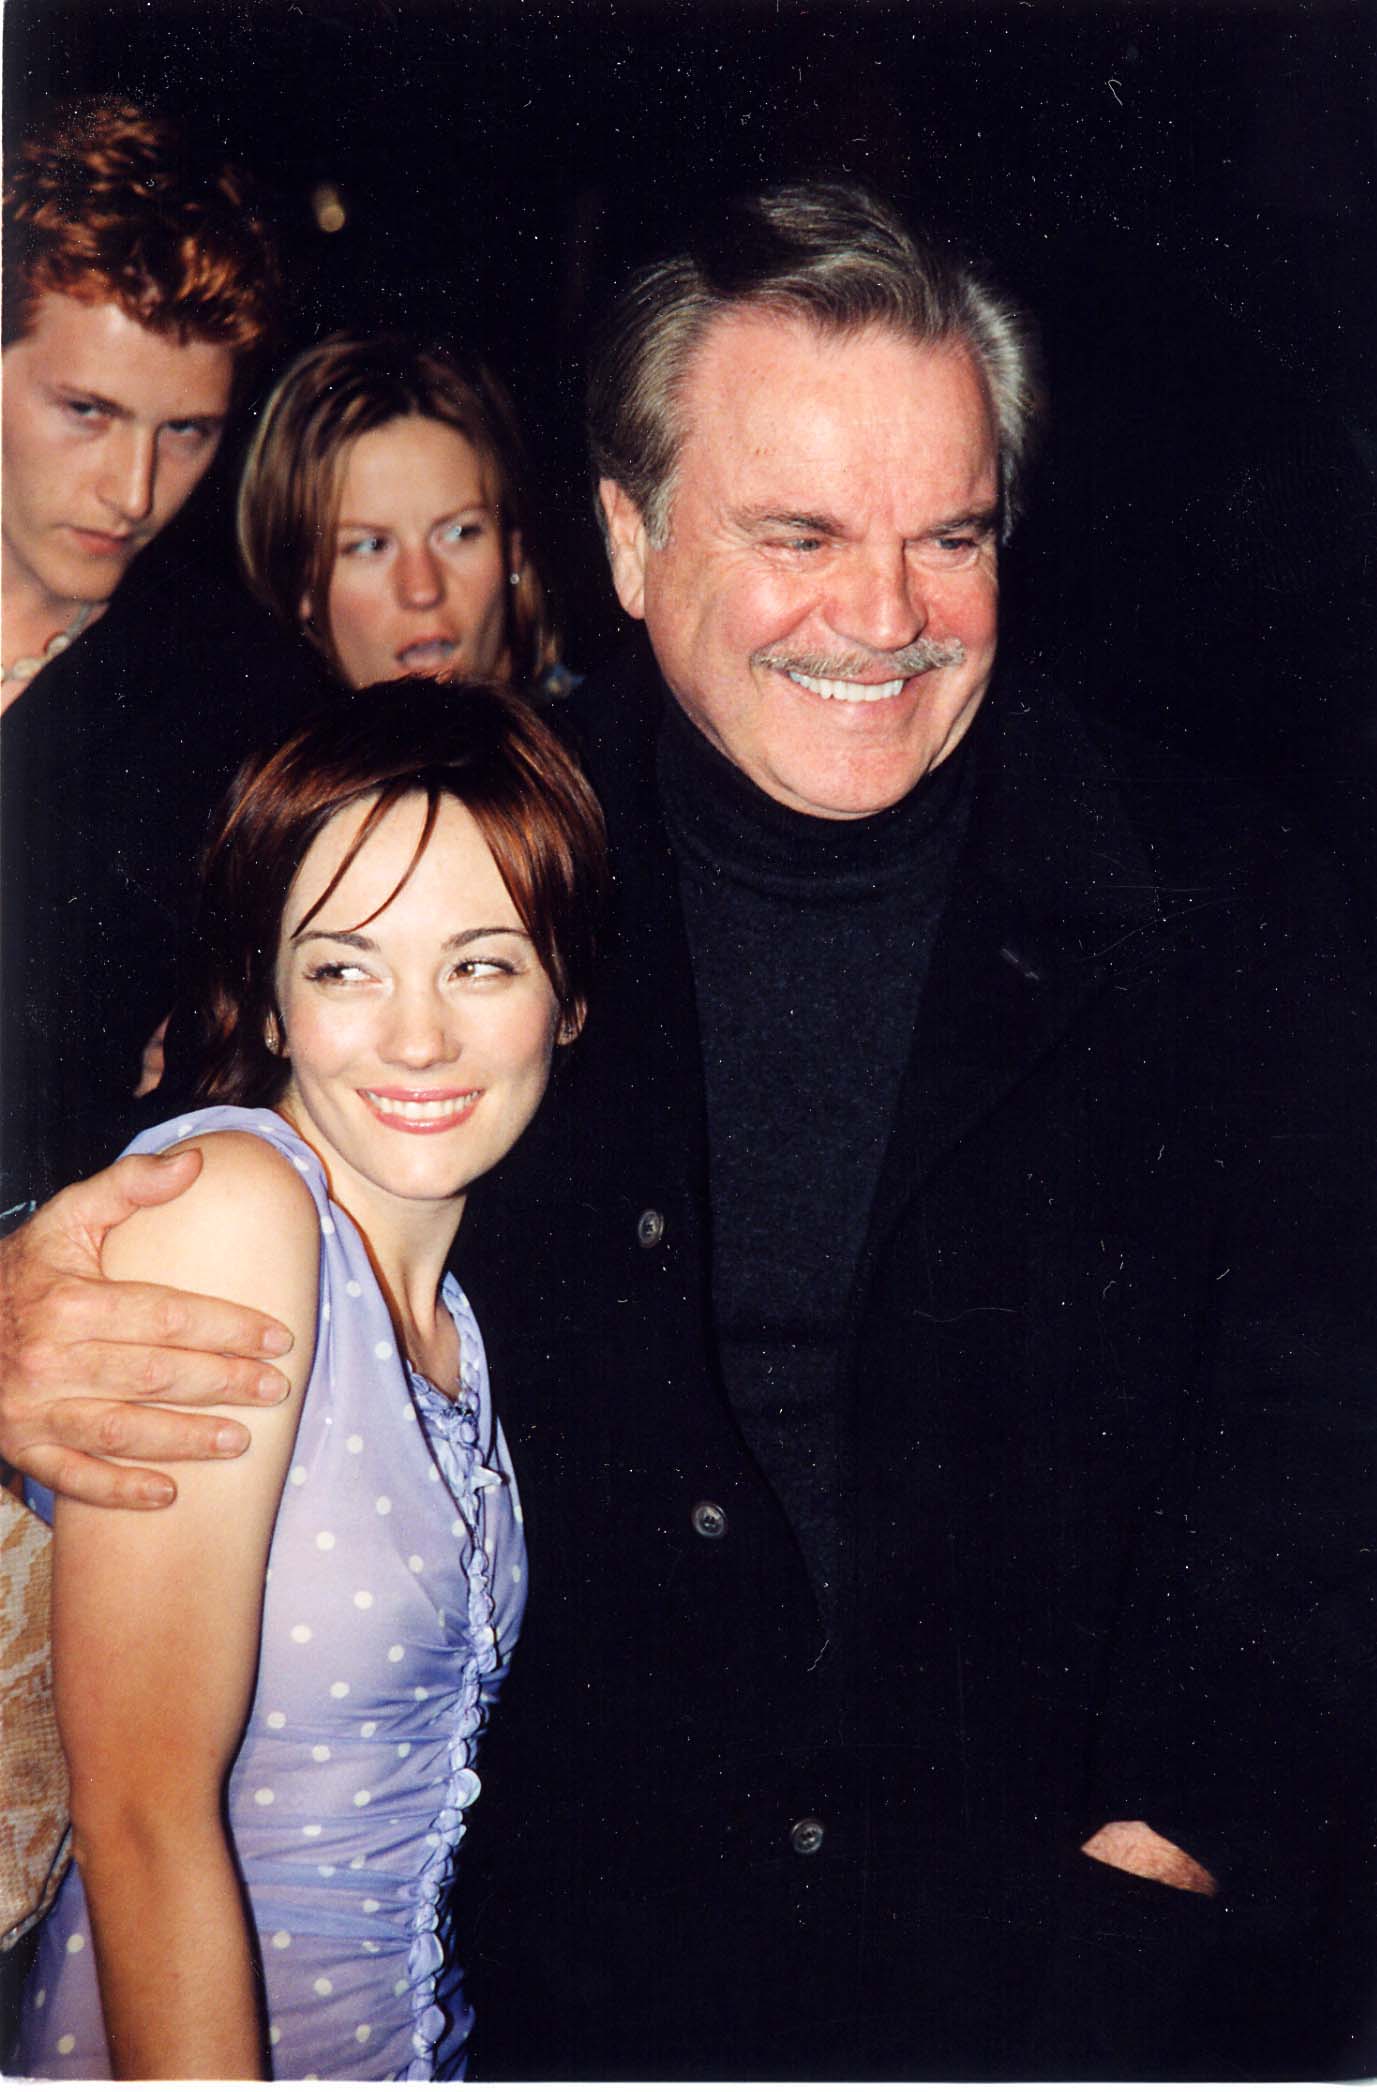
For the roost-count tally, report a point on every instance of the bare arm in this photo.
(81, 1357)
(156, 1631)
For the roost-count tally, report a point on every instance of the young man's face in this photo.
(107, 429)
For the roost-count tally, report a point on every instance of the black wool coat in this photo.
(1108, 1385)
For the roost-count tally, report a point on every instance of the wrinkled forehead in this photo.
(775, 397)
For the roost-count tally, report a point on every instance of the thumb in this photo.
(84, 1213)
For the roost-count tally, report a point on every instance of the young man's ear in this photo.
(626, 545)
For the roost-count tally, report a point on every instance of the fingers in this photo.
(96, 1432)
(82, 1214)
(97, 1482)
(168, 1332)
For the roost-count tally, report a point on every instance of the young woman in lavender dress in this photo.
(271, 1694)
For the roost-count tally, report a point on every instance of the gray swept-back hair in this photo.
(828, 252)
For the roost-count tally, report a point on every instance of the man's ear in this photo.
(626, 545)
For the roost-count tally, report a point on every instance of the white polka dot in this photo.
(362, 2032)
(40, 2000)
(370, 1946)
(396, 1653)
(368, 1729)
(432, 1473)
(353, 1444)
(457, 1528)
(325, 1311)
(184, 1127)
(325, 1541)
(327, 1226)
(352, 1288)
(326, 1870)
(282, 1939)
(399, 1988)
(403, 1750)
(516, 1572)
(75, 1942)
(323, 1987)
(302, 1164)
(362, 1798)
(274, 2036)
(383, 1506)
(310, 1830)
(415, 1564)
(382, 1350)
(264, 1796)
(420, 1693)
(66, 2043)
(356, 1866)
(363, 1600)
(297, 1477)
(276, 1720)
(369, 1905)
(301, 1633)
(339, 1690)
(320, 1752)
(520, 1514)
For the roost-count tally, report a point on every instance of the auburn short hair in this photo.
(371, 749)
(112, 203)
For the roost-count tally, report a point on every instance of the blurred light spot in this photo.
(328, 205)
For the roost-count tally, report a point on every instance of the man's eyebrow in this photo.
(982, 519)
(357, 942)
(90, 398)
(816, 526)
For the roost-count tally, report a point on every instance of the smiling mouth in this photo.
(846, 693)
(421, 1114)
(428, 653)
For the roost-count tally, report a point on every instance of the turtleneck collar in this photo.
(723, 822)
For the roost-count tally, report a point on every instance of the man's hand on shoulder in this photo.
(82, 1357)
(1136, 1848)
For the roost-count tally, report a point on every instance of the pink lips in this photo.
(102, 544)
(441, 1121)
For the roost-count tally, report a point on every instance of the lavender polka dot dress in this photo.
(396, 1584)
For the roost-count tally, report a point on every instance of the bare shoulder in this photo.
(246, 1229)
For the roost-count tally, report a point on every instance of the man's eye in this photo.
(85, 411)
(957, 548)
(189, 432)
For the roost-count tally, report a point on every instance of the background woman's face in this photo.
(419, 582)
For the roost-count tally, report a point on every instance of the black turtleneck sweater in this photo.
(810, 941)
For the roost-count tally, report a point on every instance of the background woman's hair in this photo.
(467, 741)
(113, 203)
(289, 494)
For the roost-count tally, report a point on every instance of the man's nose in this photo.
(419, 580)
(878, 599)
(131, 473)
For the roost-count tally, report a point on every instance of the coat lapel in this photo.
(1051, 892)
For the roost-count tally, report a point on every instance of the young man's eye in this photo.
(85, 411)
(190, 433)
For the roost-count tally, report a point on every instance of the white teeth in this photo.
(848, 693)
(415, 1108)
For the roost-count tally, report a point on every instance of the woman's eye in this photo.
(483, 969)
(460, 533)
(361, 547)
(337, 971)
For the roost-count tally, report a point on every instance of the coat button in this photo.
(650, 1228)
(807, 1835)
(709, 1521)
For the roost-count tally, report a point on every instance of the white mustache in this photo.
(860, 664)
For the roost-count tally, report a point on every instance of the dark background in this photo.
(1186, 194)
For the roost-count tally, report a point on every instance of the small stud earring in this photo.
(273, 1037)
(514, 580)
